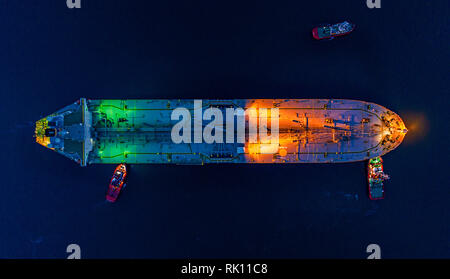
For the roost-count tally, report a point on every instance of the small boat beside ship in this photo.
(117, 183)
(330, 31)
(376, 177)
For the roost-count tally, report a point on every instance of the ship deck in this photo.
(139, 131)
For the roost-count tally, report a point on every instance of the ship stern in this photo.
(67, 132)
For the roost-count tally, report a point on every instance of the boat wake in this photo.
(372, 211)
(100, 204)
(34, 245)
(18, 128)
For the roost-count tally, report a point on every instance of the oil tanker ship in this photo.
(141, 131)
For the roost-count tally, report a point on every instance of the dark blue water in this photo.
(397, 57)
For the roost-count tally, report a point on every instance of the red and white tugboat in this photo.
(331, 31)
(117, 183)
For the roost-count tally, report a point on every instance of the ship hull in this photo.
(141, 131)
